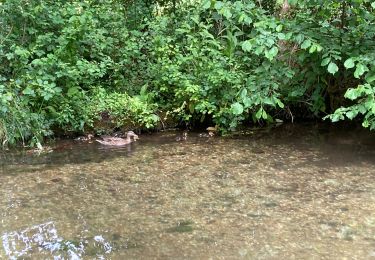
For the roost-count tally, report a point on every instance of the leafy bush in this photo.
(17, 121)
(52, 53)
(214, 60)
(119, 110)
(76, 66)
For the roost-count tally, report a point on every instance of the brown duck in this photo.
(117, 141)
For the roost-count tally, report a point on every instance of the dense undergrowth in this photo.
(69, 67)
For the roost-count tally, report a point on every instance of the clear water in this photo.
(292, 192)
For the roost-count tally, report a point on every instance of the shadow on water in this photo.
(62, 153)
(342, 144)
(78, 152)
(346, 145)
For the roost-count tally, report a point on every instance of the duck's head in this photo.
(212, 128)
(132, 134)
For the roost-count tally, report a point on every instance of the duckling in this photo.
(183, 137)
(84, 138)
(117, 141)
(40, 150)
(212, 130)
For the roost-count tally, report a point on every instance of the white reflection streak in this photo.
(44, 238)
(107, 246)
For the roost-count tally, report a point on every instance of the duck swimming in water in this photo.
(117, 141)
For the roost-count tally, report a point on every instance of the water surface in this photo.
(292, 192)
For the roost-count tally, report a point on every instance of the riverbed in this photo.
(304, 191)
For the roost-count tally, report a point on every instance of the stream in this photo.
(303, 191)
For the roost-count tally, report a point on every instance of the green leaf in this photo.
(325, 61)
(349, 63)
(248, 20)
(243, 93)
(191, 108)
(299, 38)
(259, 50)
(259, 114)
(351, 94)
(264, 114)
(274, 51)
(373, 5)
(51, 109)
(351, 114)
(281, 36)
(306, 44)
(29, 92)
(279, 28)
(270, 54)
(72, 91)
(247, 102)
(218, 5)
(227, 13)
(279, 103)
(332, 68)
(360, 69)
(336, 117)
(269, 101)
(155, 118)
(237, 108)
(370, 77)
(246, 46)
(362, 109)
(313, 48)
(206, 4)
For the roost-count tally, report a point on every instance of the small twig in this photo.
(11, 29)
(161, 121)
(290, 113)
(23, 34)
(260, 3)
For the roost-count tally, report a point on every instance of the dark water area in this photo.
(289, 192)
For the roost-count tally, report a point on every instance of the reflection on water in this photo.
(303, 191)
(43, 239)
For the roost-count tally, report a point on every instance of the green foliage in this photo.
(17, 121)
(215, 61)
(355, 52)
(120, 110)
(52, 53)
(75, 66)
